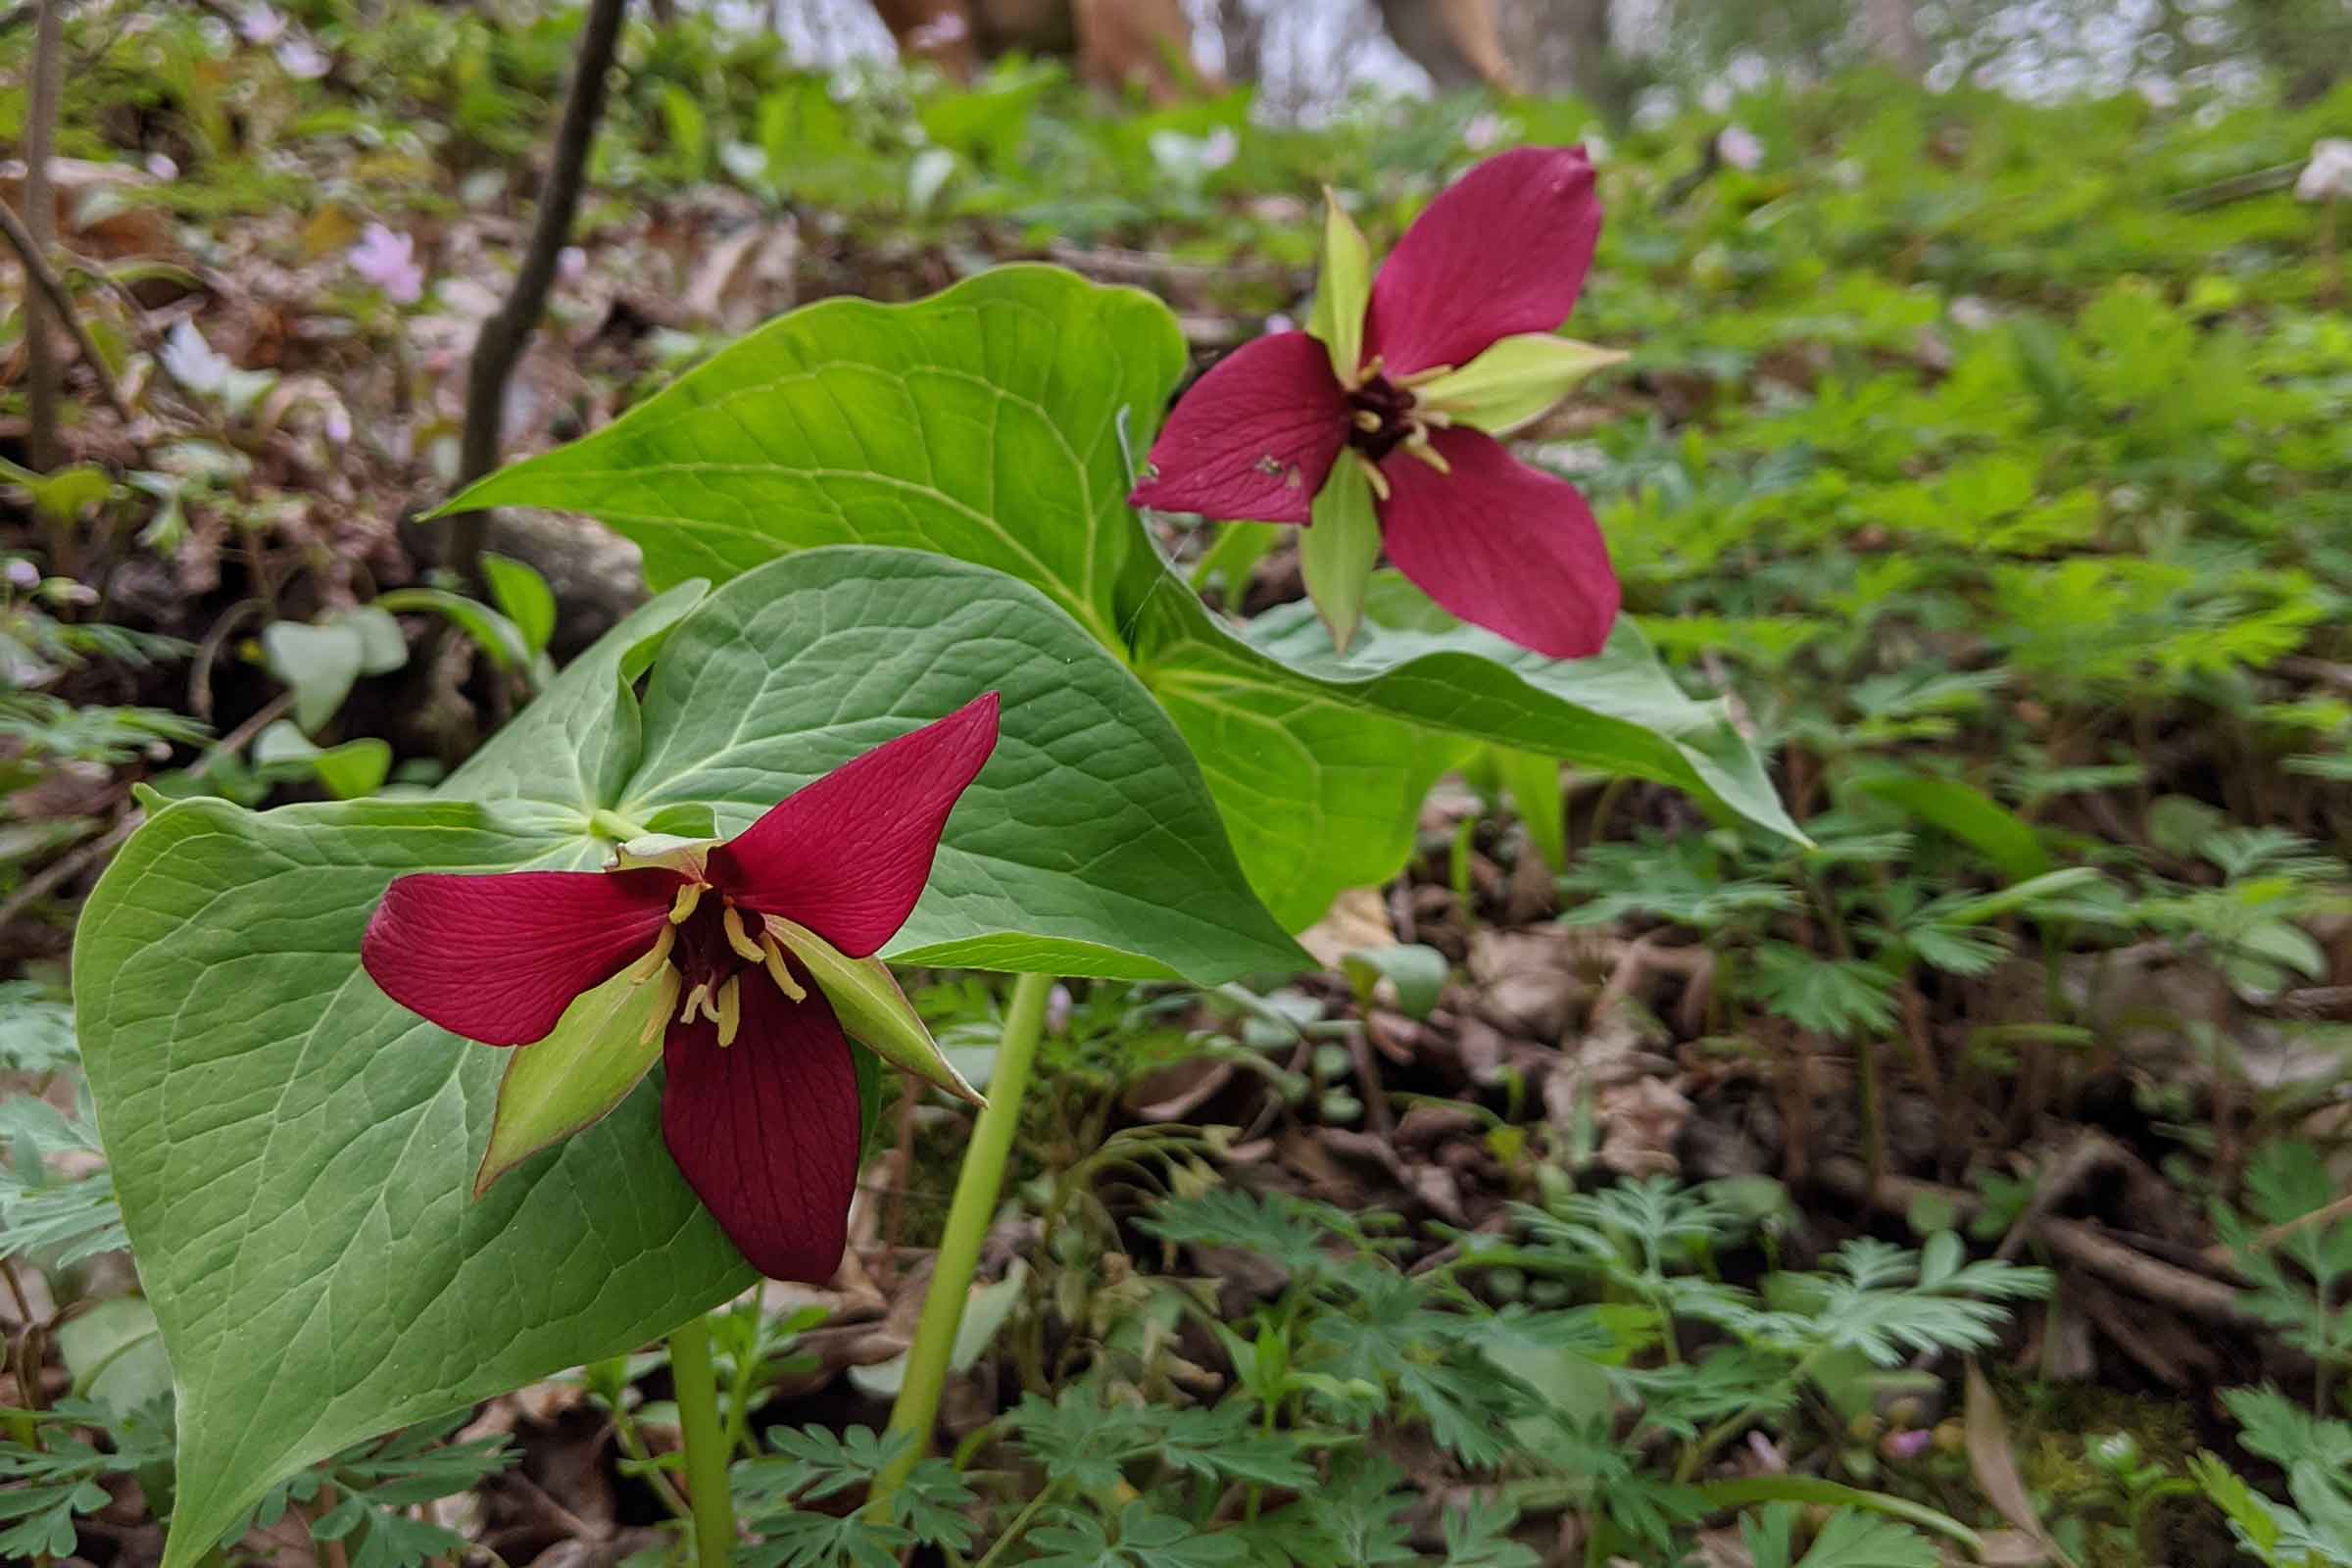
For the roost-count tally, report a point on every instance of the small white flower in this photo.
(947, 28)
(2328, 178)
(1279, 323)
(261, 24)
(161, 167)
(1739, 147)
(193, 363)
(1219, 148)
(388, 260)
(571, 263)
(302, 60)
(1482, 133)
(23, 573)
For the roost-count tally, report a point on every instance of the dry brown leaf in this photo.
(1995, 1464)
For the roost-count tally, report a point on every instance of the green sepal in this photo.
(1338, 551)
(872, 1010)
(1514, 380)
(1344, 291)
(605, 1042)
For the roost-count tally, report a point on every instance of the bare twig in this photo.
(2084, 1246)
(2238, 187)
(48, 286)
(41, 883)
(504, 334)
(41, 212)
(2325, 1214)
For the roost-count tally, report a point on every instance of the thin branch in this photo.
(20, 239)
(41, 212)
(42, 882)
(504, 334)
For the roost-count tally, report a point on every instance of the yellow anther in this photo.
(1367, 422)
(651, 964)
(1367, 373)
(696, 1001)
(1418, 445)
(1419, 378)
(688, 897)
(1378, 480)
(737, 936)
(773, 957)
(730, 1011)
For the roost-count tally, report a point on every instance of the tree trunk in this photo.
(1892, 34)
(1243, 32)
(1454, 41)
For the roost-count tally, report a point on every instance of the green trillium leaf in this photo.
(1343, 291)
(872, 1010)
(580, 1073)
(1514, 380)
(995, 422)
(982, 425)
(296, 1153)
(1338, 548)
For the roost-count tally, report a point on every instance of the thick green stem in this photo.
(977, 1186)
(706, 1443)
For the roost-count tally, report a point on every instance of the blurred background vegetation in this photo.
(1985, 439)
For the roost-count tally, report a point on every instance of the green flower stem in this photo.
(613, 825)
(977, 1186)
(706, 1443)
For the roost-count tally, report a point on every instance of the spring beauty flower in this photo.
(747, 954)
(388, 260)
(1376, 426)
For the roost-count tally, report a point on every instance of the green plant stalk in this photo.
(707, 1451)
(977, 1186)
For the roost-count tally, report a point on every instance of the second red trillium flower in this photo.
(742, 960)
(1377, 426)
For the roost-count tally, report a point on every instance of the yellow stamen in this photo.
(710, 1005)
(773, 957)
(730, 1011)
(1367, 422)
(737, 936)
(1420, 448)
(1419, 378)
(1367, 373)
(688, 897)
(1378, 480)
(696, 999)
(651, 964)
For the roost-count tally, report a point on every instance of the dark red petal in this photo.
(1254, 438)
(848, 854)
(1502, 250)
(765, 1130)
(497, 958)
(1500, 545)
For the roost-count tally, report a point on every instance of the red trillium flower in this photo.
(745, 957)
(1376, 424)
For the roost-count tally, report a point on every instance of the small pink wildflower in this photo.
(388, 260)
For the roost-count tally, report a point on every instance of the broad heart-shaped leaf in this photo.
(1618, 711)
(1088, 845)
(295, 1152)
(982, 424)
(992, 422)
